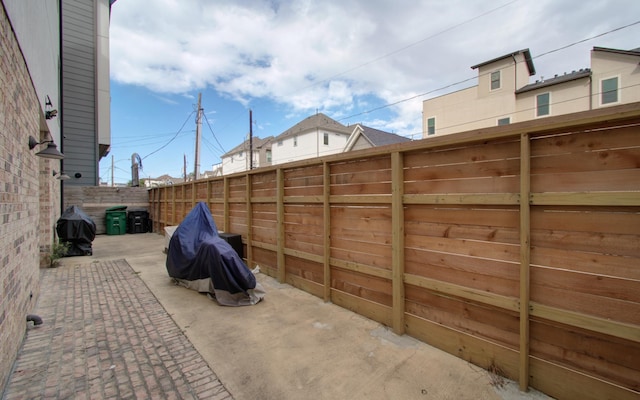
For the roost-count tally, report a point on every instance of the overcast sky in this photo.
(347, 59)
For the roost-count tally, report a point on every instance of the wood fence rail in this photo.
(515, 247)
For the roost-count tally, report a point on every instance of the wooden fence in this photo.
(516, 248)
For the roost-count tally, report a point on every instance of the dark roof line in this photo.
(583, 73)
(633, 52)
(527, 58)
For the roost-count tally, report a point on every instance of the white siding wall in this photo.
(238, 162)
(309, 145)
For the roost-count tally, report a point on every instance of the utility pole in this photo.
(196, 172)
(184, 168)
(250, 139)
(112, 168)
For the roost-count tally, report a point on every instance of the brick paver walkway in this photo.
(105, 336)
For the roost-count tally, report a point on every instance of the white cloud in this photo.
(339, 55)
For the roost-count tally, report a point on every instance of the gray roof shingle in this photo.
(572, 76)
(381, 138)
(316, 121)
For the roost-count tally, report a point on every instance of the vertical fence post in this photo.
(208, 194)
(249, 221)
(282, 273)
(525, 257)
(327, 230)
(194, 190)
(183, 201)
(173, 205)
(397, 246)
(225, 195)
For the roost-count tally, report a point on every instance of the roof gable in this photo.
(316, 121)
(244, 146)
(374, 137)
(527, 57)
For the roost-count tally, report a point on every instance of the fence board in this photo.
(490, 323)
(613, 358)
(367, 287)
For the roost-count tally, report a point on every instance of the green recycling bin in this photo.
(116, 220)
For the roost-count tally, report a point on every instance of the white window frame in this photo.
(491, 88)
(618, 92)
(295, 141)
(548, 105)
(434, 126)
(325, 138)
(508, 119)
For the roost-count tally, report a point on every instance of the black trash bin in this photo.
(78, 230)
(138, 221)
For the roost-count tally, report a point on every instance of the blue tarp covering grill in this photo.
(199, 259)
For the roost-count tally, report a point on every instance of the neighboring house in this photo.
(84, 110)
(315, 136)
(364, 137)
(504, 95)
(237, 159)
(215, 171)
(162, 180)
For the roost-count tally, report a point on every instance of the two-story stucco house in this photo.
(504, 95)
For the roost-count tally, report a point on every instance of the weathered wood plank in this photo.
(469, 199)
(586, 199)
(397, 244)
(588, 262)
(591, 181)
(525, 260)
(481, 320)
(588, 322)
(566, 383)
(483, 353)
(370, 309)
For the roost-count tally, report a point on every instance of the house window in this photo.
(268, 155)
(504, 121)
(326, 139)
(295, 141)
(495, 80)
(279, 142)
(241, 154)
(542, 104)
(431, 126)
(609, 90)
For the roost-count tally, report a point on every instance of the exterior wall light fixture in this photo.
(50, 152)
(61, 176)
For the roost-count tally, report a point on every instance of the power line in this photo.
(394, 52)
(476, 77)
(172, 139)
(399, 50)
(213, 134)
